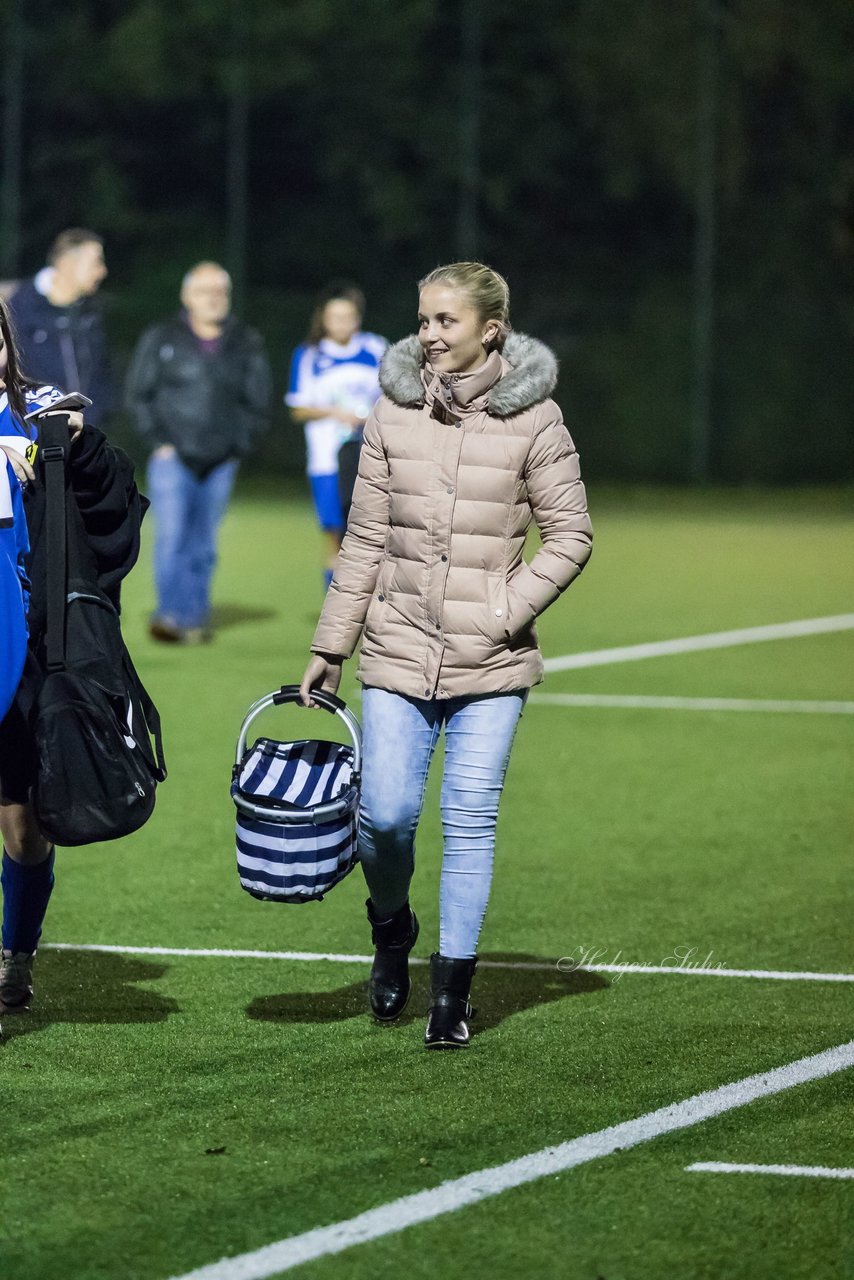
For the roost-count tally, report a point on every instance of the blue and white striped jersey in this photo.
(14, 545)
(14, 542)
(19, 435)
(330, 374)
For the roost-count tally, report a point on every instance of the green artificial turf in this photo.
(161, 1112)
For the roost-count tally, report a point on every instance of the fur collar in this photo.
(529, 380)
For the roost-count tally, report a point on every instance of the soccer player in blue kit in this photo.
(334, 381)
(101, 479)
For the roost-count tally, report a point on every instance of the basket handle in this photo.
(290, 693)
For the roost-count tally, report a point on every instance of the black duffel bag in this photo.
(92, 720)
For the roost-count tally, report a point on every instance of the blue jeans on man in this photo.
(187, 514)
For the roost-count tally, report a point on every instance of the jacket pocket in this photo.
(521, 616)
(496, 609)
(377, 604)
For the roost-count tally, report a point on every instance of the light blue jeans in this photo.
(187, 514)
(400, 735)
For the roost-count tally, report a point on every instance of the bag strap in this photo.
(149, 711)
(53, 432)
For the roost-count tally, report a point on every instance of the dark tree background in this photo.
(557, 140)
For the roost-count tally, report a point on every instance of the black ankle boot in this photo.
(393, 939)
(450, 984)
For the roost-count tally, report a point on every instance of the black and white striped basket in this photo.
(297, 806)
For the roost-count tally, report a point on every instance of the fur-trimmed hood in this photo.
(528, 375)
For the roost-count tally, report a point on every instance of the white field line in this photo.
(691, 644)
(797, 975)
(786, 1170)
(652, 703)
(782, 975)
(423, 1206)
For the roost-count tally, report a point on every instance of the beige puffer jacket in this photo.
(452, 471)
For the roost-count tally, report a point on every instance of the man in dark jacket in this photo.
(199, 389)
(58, 322)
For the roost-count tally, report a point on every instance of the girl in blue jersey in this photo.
(101, 479)
(14, 545)
(334, 381)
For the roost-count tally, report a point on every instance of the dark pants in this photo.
(348, 468)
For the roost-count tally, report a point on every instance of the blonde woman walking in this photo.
(461, 453)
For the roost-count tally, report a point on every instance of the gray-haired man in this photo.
(199, 389)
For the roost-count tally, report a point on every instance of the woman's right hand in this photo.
(324, 672)
(20, 466)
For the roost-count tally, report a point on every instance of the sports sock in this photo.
(26, 893)
(327, 578)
